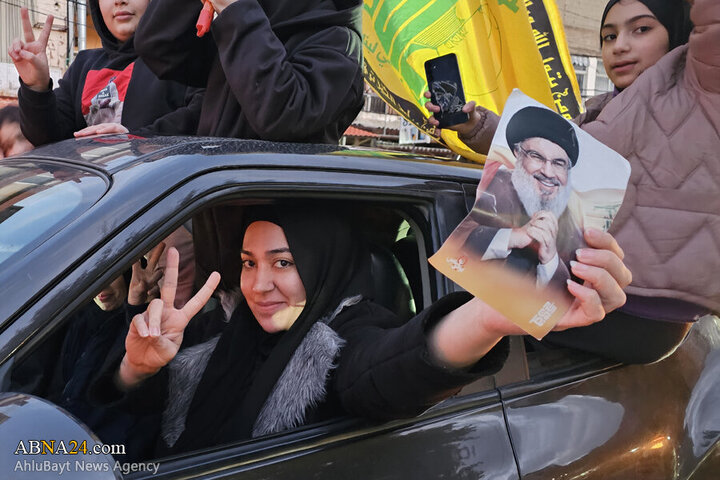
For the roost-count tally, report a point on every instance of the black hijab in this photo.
(674, 15)
(247, 361)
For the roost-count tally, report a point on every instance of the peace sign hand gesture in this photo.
(155, 335)
(144, 281)
(30, 56)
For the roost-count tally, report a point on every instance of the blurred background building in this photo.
(582, 28)
(72, 31)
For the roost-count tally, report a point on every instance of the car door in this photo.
(463, 437)
(579, 415)
(576, 415)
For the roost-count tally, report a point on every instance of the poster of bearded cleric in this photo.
(544, 181)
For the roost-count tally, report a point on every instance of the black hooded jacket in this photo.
(282, 70)
(99, 83)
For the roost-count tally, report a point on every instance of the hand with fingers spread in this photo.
(101, 129)
(144, 282)
(29, 56)
(155, 335)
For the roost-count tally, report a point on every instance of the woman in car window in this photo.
(305, 344)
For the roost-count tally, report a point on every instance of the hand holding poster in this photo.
(545, 181)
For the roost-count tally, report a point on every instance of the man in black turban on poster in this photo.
(522, 216)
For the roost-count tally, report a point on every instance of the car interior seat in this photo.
(406, 252)
(389, 284)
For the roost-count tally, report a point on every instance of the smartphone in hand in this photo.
(446, 90)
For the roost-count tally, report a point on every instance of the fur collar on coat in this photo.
(299, 389)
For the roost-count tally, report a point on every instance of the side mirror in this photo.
(39, 440)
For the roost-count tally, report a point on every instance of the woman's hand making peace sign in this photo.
(155, 335)
(30, 56)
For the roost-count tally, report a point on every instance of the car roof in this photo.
(140, 171)
(116, 153)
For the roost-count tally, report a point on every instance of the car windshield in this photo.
(38, 199)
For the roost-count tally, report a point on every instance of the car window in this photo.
(62, 366)
(38, 199)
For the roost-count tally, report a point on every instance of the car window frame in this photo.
(220, 186)
(16, 270)
(143, 229)
(70, 215)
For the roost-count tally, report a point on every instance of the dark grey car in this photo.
(75, 215)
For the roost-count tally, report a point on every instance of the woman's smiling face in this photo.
(633, 40)
(269, 279)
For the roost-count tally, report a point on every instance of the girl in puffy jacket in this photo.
(664, 117)
(636, 35)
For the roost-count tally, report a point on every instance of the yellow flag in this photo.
(500, 45)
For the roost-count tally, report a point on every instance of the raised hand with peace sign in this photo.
(155, 335)
(144, 282)
(29, 56)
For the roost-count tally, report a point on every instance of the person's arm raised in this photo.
(29, 56)
(704, 50)
(46, 115)
(172, 49)
(289, 93)
(155, 335)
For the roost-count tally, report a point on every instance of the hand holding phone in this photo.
(446, 90)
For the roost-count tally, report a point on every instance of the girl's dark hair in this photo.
(674, 15)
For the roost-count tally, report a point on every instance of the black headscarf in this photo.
(247, 361)
(674, 15)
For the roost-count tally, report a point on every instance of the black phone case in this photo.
(446, 90)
